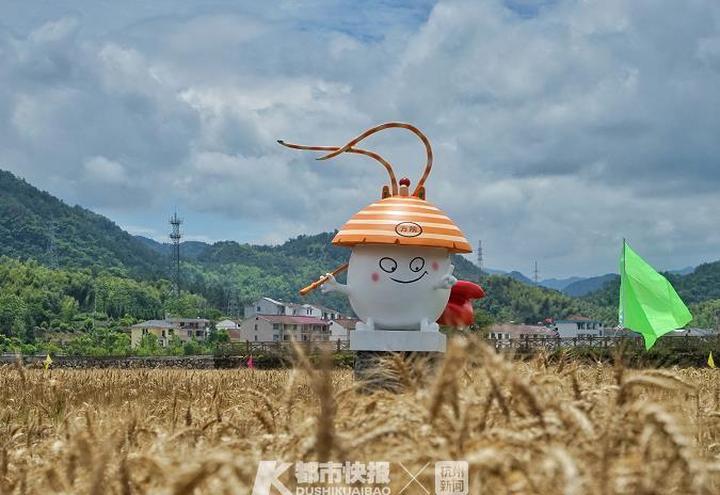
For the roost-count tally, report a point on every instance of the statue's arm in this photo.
(332, 285)
(447, 281)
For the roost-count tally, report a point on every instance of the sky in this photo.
(559, 127)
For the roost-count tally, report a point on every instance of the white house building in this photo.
(279, 328)
(265, 306)
(227, 325)
(579, 326)
(269, 306)
(184, 328)
(340, 328)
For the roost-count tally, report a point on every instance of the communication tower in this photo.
(175, 236)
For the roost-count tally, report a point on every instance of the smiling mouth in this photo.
(409, 281)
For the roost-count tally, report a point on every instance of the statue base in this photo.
(397, 341)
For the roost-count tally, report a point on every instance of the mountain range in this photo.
(576, 286)
(34, 225)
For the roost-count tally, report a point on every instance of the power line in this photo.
(535, 273)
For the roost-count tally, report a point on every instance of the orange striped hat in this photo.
(398, 218)
(405, 221)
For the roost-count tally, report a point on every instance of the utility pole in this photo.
(480, 255)
(175, 236)
(535, 273)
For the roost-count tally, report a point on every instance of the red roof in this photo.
(293, 320)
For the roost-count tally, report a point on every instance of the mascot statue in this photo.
(400, 279)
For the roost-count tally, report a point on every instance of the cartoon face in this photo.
(417, 265)
(395, 285)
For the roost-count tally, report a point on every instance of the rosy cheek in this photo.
(375, 276)
(435, 266)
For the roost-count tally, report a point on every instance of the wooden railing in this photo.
(309, 347)
(523, 344)
(527, 343)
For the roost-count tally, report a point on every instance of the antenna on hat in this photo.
(371, 154)
(348, 148)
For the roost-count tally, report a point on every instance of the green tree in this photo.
(186, 305)
(193, 347)
(149, 346)
(68, 308)
(482, 322)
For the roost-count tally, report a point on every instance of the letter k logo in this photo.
(268, 475)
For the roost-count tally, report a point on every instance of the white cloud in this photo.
(99, 169)
(559, 127)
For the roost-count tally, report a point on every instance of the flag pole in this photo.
(623, 268)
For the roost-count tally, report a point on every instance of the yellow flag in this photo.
(711, 361)
(48, 361)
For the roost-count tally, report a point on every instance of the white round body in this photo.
(395, 285)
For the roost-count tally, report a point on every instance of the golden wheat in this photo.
(534, 427)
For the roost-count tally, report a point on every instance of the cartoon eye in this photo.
(417, 264)
(388, 265)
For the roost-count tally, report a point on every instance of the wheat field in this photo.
(523, 427)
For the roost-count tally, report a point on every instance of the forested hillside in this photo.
(700, 290)
(229, 270)
(37, 302)
(36, 225)
(75, 262)
(588, 285)
(190, 249)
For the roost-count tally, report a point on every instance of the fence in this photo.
(532, 343)
(250, 347)
(526, 344)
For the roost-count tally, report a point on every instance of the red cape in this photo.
(459, 310)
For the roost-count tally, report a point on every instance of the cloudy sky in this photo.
(559, 127)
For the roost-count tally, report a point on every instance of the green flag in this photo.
(648, 303)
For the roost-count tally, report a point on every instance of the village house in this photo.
(691, 332)
(227, 325)
(184, 328)
(579, 326)
(162, 329)
(265, 306)
(510, 331)
(340, 328)
(269, 306)
(282, 328)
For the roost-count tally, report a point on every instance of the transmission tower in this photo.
(535, 273)
(175, 236)
(232, 307)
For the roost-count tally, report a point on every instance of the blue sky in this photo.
(559, 127)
